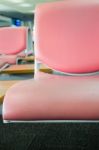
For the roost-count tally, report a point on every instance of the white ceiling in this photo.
(25, 6)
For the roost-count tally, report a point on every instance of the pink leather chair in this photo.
(13, 41)
(66, 40)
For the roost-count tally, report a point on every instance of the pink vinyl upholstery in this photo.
(66, 39)
(53, 97)
(11, 59)
(12, 40)
(67, 35)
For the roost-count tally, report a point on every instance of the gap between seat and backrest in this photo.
(67, 35)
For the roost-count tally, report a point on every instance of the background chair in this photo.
(67, 40)
(13, 41)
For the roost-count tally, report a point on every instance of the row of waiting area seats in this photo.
(66, 39)
(13, 44)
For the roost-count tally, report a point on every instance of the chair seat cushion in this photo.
(10, 59)
(53, 97)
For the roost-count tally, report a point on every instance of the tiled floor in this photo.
(4, 77)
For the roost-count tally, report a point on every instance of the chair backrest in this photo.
(66, 35)
(13, 40)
